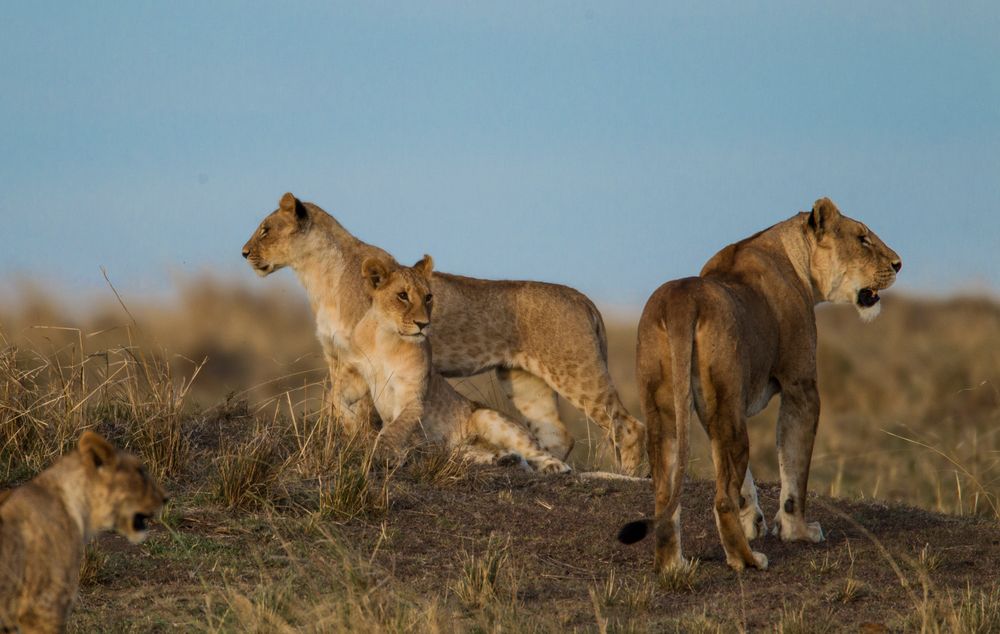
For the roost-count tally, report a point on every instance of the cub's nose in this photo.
(897, 265)
(421, 324)
(246, 252)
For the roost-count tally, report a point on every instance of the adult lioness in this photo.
(45, 524)
(391, 351)
(541, 338)
(724, 343)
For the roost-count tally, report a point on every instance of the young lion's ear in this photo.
(287, 202)
(290, 204)
(96, 450)
(823, 213)
(425, 266)
(374, 271)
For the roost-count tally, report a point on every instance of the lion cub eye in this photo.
(263, 231)
(865, 240)
(403, 297)
(429, 298)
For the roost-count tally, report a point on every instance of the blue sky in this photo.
(609, 146)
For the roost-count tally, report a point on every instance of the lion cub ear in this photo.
(289, 204)
(823, 213)
(425, 266)
(96, 450)
(375, 272)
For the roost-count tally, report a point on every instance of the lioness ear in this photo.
(375, 271)
(96, 450)
(425, 266)
(823, 213)
(289, 203)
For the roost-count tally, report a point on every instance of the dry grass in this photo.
(911, 402)
(487, 579)
(911, 412)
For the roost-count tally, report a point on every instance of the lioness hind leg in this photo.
(668, 470)
(797, 421)
(537, 403)
(730, 453)
(503, 433)
(751, 517)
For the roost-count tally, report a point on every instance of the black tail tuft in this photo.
(633, 531)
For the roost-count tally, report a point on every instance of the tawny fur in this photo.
(45, 524)
(391, 351)
(722, 344)
(542, 339)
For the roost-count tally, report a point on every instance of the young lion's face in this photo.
(850, 264)
(401, 298)
(123, 496)
(278, 237)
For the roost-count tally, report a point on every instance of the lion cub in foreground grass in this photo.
(393, 354)
(45, 524)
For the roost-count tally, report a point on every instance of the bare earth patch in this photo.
(549, 544)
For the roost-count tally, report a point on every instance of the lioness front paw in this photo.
(791, 529)
(738, 564)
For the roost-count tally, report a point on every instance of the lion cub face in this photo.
(278, 237)
(850, 264)
(123, 497)
(401, 298)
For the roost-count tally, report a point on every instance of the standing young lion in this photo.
(542, 339)
(45, 524)
(724, 343)
(391, 352)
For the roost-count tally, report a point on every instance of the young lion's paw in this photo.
(512, 459)
(551, 465)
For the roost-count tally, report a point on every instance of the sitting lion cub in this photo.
(45, 524)
(392, 353)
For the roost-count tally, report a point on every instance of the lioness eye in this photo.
(263, 231)
(403, 297)
(865, 240)
(429, 298)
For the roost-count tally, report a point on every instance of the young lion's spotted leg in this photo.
(590, 390)
(537, 403)
(797, 421)
(503, 433)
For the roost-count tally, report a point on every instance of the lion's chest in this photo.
(332, 329)
(395, 372)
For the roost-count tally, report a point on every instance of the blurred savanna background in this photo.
(609, 148)
(910, 402)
